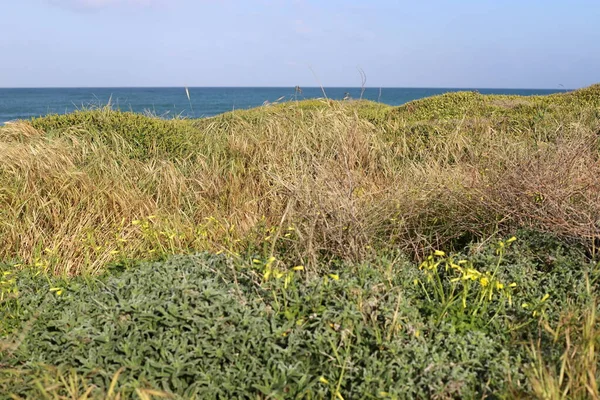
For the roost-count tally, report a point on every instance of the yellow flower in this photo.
(512, 239)
(298, 268)
(513, 285)
(499, 285)
(278, 274)
(546, 296)
(471, 274)
(439, 253)
(335, 277)
(484, 281)
(525, 305)
(57, 290)
(323, 380)
(455, 266)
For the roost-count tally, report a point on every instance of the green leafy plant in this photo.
(462, 289)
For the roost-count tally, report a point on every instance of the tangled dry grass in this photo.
(311, 180)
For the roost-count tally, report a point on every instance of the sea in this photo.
(16, 104)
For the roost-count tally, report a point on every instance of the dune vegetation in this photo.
(446, 248)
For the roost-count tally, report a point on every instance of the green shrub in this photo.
(205, 327)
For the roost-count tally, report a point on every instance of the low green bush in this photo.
(206, 326)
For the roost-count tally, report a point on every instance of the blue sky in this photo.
(433, 43)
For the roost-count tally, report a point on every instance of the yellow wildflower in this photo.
(267, 274)
(277, 274)
(471, 274)
(546, 296)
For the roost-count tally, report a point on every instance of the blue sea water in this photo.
(205, 101)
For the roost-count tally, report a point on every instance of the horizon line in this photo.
(286, 87)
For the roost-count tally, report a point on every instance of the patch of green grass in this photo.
(145, 136)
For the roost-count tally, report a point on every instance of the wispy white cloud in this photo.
(99, 4)
(302, 28)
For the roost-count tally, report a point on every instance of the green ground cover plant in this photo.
(446, 248)
(206, 326)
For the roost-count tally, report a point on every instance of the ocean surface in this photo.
(204, 102)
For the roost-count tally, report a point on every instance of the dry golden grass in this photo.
(576, 375)
(312, 180)
(54, 384)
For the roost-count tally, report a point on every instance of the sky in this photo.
(397, 43)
